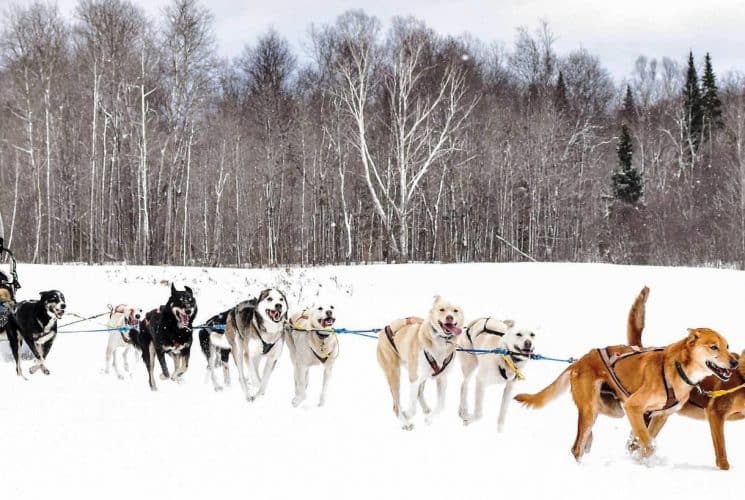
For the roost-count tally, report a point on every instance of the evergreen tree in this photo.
(694, 116)
(711, 105)
(627, 181)
(628, 108)
(560, 94)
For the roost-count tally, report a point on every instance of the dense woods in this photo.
(125, 138)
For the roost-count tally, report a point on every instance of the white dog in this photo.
(122, 315)
(490, 334)
(311, 343)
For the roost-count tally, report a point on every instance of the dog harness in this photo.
(265, 348)
(609, 360)
(436, 370)
(484, 329)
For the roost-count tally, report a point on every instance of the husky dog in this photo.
(122, 316)
(168, 330)
(426, 347)
(311, 342)
(490, 334)
(254, 330)
(35, 323)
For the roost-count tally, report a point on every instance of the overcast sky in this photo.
(617, 31)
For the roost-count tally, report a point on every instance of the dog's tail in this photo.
(548, 394)
(635, 323)
(204, 342)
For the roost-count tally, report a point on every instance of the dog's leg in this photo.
(586, 395)
(301, 383)
(148, 356)
(635, 413)
(442, 385)
(468, 364)
(213, 360)
(164, 372)
(269, 365)
(125, 360)
(478, 400)
(420, 397)
(110, 356)
(238, 348)
(506, 397)
(326, 377)
(16, 342)
(253, 368)
(716, 425)
(39, 351)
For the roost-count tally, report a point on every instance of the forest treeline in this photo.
(127, 138)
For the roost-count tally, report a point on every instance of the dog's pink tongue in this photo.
(456, 330)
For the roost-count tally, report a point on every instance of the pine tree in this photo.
(560, 94)
(694, 116)
(628, 108)
(627, 181)
(710, 103)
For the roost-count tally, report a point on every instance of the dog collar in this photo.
(679, 369)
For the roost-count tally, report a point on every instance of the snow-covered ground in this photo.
(81, 434)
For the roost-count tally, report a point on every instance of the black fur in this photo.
(161, 329)
(33, 321)
(204, 335)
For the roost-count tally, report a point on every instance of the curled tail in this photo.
(548, 394)
(635, 324)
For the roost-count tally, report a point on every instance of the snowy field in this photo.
(81, 434)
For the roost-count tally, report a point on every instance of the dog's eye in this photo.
(532, 334)
(714, 348)
(320, 308)
(455, 311)
(519, 334)
(442, 309)
(332, 307)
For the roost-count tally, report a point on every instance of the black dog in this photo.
(168, 330)
(35, 322)
(204, 342)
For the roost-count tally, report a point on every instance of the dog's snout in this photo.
(449, 318)
(278, 306)
(734, 364)
(329, 313)
(62, 306)
(137, 316)
(528, 344)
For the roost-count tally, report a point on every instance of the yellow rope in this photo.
(722, 392)
(508, 361)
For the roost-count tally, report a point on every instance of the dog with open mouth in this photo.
(123, 316)
(35, 323)
(489, 334)
(652, 382)
(311, 342)
(168, 330)
(706, 404)
(426, 348)
(254, 332)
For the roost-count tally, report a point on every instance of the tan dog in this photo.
(729, 406)
(648, 382)
(122, 315)
(311, 343)
(426, 347)
(488, 334)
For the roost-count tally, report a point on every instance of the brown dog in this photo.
(648, 382)
(426, 347)
(700, 405)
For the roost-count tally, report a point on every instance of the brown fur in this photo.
(635, 323)
(5, 295)
(700, 406)
(641, 376)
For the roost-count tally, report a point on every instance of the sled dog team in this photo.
(696, 376)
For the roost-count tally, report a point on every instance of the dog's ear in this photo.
(509, 322)
(437, 299)
(264, 294)
(692, 336)
(173, 289)
(188, 289)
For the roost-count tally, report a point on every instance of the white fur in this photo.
(120, 316)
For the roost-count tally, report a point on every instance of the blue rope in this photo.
(537, 357)
(122, 329)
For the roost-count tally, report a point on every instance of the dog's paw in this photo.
(723, 464)
(163, 376)
(296, 401)
(408, 426)
(218, 388)
(45, 370)
(321, 403)
(251, 398)
(120, 376)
